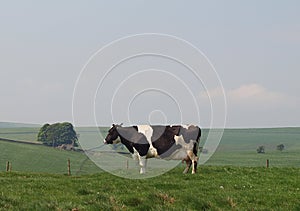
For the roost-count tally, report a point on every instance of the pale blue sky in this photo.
(254, 46)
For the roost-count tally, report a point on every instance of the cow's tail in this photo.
(195, 151)
(196, 145)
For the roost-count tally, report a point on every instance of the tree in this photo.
(58, 134)
(42, 135)
(261, 149)
(280, 147)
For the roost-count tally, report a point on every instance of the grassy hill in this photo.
(234, 177)
(19, 134)
(17, 125)
(39, 158)
(213, 188)
(237, 148)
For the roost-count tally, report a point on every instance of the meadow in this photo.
(237, 148)
(234, 178)
(213, 188)
(20, 134)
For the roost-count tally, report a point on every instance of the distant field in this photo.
(39, 158)
(21, 134)
(213, 188)
(237, 148)
(17, 125)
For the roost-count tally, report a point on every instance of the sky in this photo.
(252, 45)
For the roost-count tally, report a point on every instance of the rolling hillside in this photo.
(237, 148)
(39, 158)
(17, 125)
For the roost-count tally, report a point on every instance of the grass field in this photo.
(213, 188)
(21, 134)
(35, 158)
(237, 148)
(18, 125)
(233, 179)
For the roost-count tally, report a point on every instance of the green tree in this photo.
(58, 134)
(261, 149)
(42, 135)
(280, 147)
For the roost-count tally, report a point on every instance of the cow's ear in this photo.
(113, 125)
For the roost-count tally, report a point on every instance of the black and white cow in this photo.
(177, 142)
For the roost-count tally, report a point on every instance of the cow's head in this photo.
(112, 136)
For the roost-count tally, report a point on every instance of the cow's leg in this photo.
(143, 163)
(188, 162)
(195, 163)
(194, 160)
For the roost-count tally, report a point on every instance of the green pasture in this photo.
(213, 188)
(237, 148)
(234, 178)
(20, 134)
(39, 158)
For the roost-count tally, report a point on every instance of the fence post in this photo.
(69, 167)
(7, 165)
(127, 164)
(268, 163)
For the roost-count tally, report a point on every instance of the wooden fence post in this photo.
(69, 167)
(127, 164)
(268, 163)
(7, 165)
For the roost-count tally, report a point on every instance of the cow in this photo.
(171, 142)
